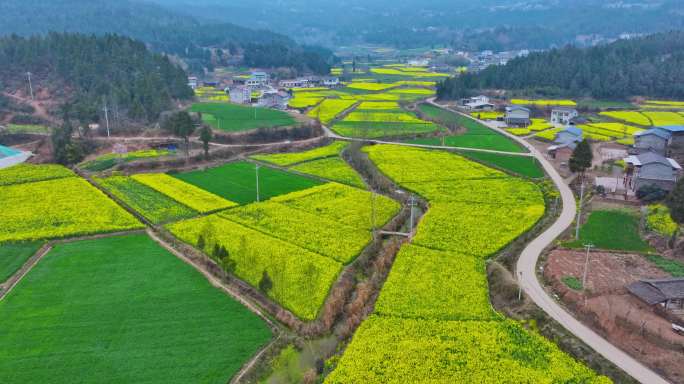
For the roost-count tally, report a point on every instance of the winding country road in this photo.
(528, 279)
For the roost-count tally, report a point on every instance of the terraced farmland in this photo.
(122, 309)
(415, 327)
(301, 240)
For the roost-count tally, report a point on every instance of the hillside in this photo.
(84, 71)
(164, 30)
(475, 25)
(651, 66)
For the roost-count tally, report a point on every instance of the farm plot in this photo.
(59, 208)
(433, 292)
(323, 162)
(237, 181)
(523, 166)
(184, 193)
(476, 135)
(309, 231)
(328, 110)
(376, 123)
(612, 230)
(26, 173)
(14, 255)
(301, 240)
(632, 117)
(661, 119)
(107, 161)
(286, 159)
(401, 342)
(366, 86)
(327, 200)
(394, 350)
(122, 309)
(234, 118)
(334, 169)
(153, 205)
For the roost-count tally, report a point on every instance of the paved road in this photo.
(526, 273)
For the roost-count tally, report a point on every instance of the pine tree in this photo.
(581, 157)
(265, 284)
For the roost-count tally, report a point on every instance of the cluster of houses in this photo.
(260, 90)
(648, 163)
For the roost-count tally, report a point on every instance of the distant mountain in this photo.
(467, 24)
(649, 66)
(163, 29)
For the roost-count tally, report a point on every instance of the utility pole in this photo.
(257, 183)
(28, 74)
(106, 112)
(519, 285)
(586, 266)
(579, 211)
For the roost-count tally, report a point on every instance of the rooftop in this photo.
(516, 108)
(658, 291)
(573, 131)
(655, 131)
(673, 128)
(651, 158)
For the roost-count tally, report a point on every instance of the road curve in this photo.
(528, 278)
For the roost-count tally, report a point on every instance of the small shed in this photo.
(667, 294)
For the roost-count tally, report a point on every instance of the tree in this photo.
(181, 124)
(675, 201)
(206, 135)
(61, 139)
(265, 284)
(581, 157)
(200, 242)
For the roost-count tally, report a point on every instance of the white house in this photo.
(331, 82)
(241, 95)
(192, 82)
(563, 116)
(293, 83)
(274, 99)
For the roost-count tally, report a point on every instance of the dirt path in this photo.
(39, 107)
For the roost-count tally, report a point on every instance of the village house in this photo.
(331, 82)
(293, 83)
(652, 140)
(274, 99)
(651, 168)
(565, 143)
(663, 294)
(192, 82)
(517, 116)
(563, 116)
(240, 95)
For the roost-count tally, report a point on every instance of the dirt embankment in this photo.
(607, 306)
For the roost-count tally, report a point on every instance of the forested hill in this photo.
(165, 31)
(649, 66)
(85, 71)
